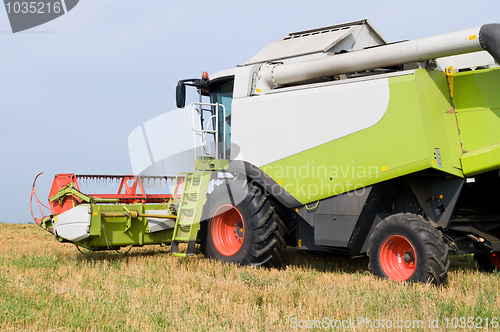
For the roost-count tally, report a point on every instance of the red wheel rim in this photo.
(228, 230)
(398, 258)
(495, 260)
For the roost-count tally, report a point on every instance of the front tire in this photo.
(241, 225)
(406, 247)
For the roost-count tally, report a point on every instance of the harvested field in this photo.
(49, 286)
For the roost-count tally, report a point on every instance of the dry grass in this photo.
(45, 285)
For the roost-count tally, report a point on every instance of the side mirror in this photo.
(180, 95)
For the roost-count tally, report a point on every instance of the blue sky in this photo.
(73, 89)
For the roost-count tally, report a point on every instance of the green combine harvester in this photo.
(328, 140)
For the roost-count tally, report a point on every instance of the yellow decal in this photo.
(450, 76)
(472, 37)
(280, 181)
(94, 214)
(384, 168)
(55, 220)
(258, 90)
(434, 162)
(300, 243)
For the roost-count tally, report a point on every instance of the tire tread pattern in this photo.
(436, 261)
(267, 229)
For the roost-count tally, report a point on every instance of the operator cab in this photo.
(210, 117)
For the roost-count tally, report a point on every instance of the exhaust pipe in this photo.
(486, 37)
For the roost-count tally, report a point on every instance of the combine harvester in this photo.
(330, 140)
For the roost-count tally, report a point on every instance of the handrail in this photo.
(204, 132)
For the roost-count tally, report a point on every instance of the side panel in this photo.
(344, 222)
(393, 147)
(301, 119)
(478, 110)
(440, 123)
(108, 232)
(477, 101)
(333, 231)
(74, 224)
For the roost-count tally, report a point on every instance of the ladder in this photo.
(189, 211)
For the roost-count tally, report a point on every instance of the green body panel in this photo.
(402, 142)
(439, 121)
(114, 231)
(481, 160)
(477, 104)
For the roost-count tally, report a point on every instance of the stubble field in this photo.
(49, 286)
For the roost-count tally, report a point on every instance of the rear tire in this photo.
(406, 247)
(241, 225)
(488, 262)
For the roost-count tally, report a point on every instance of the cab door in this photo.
(223, 94)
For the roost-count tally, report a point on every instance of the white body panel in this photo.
(466, 61)
(288, 47)
(245, 80)
(74, 224)
(333, 39)
(159, 224)
(274, 126)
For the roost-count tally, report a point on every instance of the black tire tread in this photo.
(436, 250)
(267, 228)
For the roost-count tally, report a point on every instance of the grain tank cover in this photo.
(319, 42)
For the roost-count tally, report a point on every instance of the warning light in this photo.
(204, 75)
